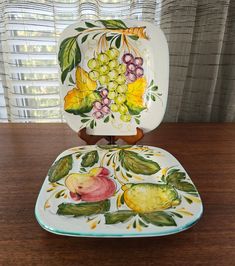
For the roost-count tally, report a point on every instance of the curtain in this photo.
(201, 39)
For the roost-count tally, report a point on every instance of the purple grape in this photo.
(97, 105)
(131, 77)
(104, 93)
(105, 109)
(127, 58)
(138, 61)
(106, 101)
(131, 67)
(98, 115)
(139, 72)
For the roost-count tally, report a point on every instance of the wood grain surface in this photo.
(207, 151)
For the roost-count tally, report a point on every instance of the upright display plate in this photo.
(114, 76)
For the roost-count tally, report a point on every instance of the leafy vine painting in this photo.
(130, 188)
(112, 82)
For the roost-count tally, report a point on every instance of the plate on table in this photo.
(117, 191)
(114, 76)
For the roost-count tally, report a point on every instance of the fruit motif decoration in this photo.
(92, 186)
(138, 200)
(114, 85)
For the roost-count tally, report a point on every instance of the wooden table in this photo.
(207, 151)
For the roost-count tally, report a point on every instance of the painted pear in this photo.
(92, 186)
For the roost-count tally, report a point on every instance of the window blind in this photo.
(29, 34)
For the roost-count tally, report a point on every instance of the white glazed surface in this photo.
(67, 225)
(156, 65)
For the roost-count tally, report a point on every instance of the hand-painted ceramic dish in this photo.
(115, 76)
(117, 191)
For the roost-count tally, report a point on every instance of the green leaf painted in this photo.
(85, 120)
(80, 29)
(84, 209)
(151, 84)
(109, 38)
(142, 223)
(119, 216)
(86, 105)
(185, 186)
(84, 115)
(92, 124)
(60, 168)
(154, 88)
(134, 224)
(95, 35)
(159, 218)
(176, 179)
(69, 56)
(84, 38)
(188, 200)
(137, 121)
(177, 214)
(129, 175)
(90, 158)
(71, 80)
(134, 37)
(113, 24)
(90, 25)
(106, 120)
(59, 194)
(153, 97)
(171, 171)
(175, 176)
(134, 162)
(122, 199)
(118, 41)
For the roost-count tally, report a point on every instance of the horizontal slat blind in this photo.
(29, 34)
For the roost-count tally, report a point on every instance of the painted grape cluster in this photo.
(134, 68)
(113, 76)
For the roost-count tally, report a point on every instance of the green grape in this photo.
(113, 64)
(122, 109)
(125, 117)
(121, 69)
(112, 85)
(93, 63)
(112, 53)
(103, 79)
(113, 74)
(112, 95)
(103, 58)
(121, 98)
(114, 107)
(104, 69)
(94, 75)
(122, 88)
(121, 79)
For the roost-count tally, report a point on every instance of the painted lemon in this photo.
(148, 197)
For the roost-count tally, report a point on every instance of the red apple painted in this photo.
(92, 186)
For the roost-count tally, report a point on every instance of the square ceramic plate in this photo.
(117, 191)
(114, 76)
